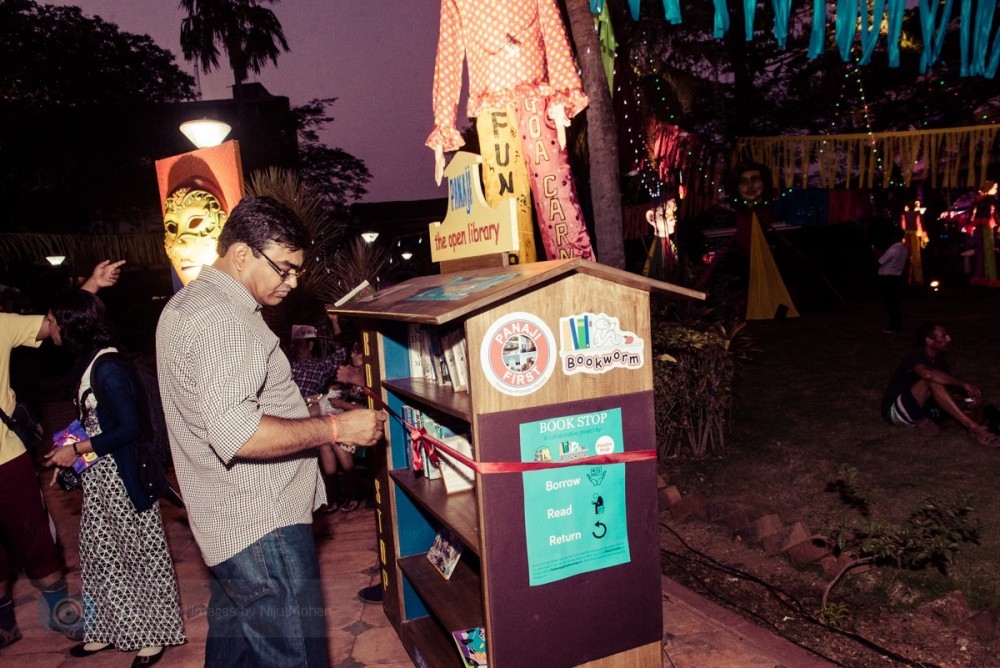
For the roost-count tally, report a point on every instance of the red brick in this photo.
(690, 505)
(785, 538)
(953, 607)
(760, 528)
(736, 520)
(809, 551)
(984, 624)
(668, 497)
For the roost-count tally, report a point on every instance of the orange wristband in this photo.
(332, 419)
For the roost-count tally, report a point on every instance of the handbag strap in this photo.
(7, 420)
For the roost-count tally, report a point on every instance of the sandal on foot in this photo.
(9, 636)
(984, 437)
(85, 649)
(350, 506)
(328, 508)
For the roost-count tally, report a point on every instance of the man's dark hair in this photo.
(926, 331)
(82, 321)
(258, 221)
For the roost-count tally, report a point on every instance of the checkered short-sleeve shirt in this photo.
(220, 369)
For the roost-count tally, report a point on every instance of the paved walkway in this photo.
(696, 632)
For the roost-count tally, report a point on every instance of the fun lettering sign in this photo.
(471, 227)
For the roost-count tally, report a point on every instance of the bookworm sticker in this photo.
(518, 354)
(595, 343)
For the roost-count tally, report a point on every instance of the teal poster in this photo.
(574, 516)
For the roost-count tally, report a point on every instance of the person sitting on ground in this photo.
(924, 374)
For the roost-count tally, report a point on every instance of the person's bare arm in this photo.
(105, 275)
(277, 437)
(944, 378)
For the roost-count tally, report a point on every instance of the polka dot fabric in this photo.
(515, 49)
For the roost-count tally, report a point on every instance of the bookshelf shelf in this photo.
(440, 397)
(456, 511)
(457, 603)
(575, 614)
(425, 637)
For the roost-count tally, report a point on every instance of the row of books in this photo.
(439, 355)
(455, 476)
(444, 554)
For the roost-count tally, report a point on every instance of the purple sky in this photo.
(375, 56)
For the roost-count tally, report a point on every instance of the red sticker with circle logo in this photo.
(518, 354)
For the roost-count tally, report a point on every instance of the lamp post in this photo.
(205, 132)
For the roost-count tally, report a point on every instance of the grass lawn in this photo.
(808, 403)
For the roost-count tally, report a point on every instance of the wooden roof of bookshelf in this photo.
(441, 298)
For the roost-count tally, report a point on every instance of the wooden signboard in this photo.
(471, 228)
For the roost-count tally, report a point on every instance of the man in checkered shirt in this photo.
(244, 445)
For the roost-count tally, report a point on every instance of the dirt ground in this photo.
(806, 406)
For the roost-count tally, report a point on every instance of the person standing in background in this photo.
(891, 265)
(24, 521)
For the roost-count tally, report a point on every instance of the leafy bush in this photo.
(694, 363)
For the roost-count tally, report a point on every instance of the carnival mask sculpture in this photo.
(192, 223)
(750, 186)
(663, 218)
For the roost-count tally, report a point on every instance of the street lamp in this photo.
(205, 132)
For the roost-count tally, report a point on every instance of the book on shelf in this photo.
(438, 358)
(440, 428)
(462, 360)
(445, 552)
(414, 453)
(426, 356)
(415, 336)
(472, 646)
(455, 357)
(456, 476)
(75, 433)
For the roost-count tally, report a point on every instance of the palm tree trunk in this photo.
(602, 137)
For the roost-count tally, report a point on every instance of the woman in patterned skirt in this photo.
(129, 587)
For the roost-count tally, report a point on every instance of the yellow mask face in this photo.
(192, 225)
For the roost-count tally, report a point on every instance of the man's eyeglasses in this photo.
(296, 273)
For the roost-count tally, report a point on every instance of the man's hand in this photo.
(438, 164)
(105, 275)
(361, 427)
(557, 113)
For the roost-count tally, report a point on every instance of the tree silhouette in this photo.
(250, 35)
(55, 57)
(333, 174)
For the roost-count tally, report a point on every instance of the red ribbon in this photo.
(432, 445)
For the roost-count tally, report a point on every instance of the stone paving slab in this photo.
(697, 632)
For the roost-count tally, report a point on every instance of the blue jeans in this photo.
(266, 607)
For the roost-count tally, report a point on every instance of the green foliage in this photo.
(333, 266)
(693, 369)
(250, 35)
(335, 175)
(930, 536)
(55, 57)
(836, 615)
